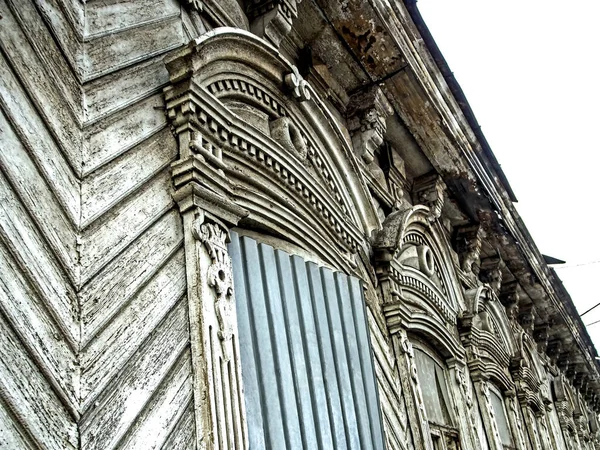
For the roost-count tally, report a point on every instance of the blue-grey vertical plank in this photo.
(338, 339)
(320, 406)
(366, 358)
(356, 376)
(279, 341)
(251, 378)
(262, 337)
(306, 355)
(325, 347)
(291, 296)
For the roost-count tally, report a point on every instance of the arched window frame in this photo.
(444, 436)
(486, 334)
(500, 410)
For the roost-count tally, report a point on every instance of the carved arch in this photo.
(527, 374)
(410, 250)
(239, 105)
(485, 313)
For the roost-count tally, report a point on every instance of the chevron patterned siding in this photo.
(94, 328)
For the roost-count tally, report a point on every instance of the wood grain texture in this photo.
(94, 332)
(393, 408)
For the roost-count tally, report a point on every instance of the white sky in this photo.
(530, 71)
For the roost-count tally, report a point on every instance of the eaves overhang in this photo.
(395, 49)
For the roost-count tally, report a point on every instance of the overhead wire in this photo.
(576, 265)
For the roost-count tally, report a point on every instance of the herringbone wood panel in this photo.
(94, 338)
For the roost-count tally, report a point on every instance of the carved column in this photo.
(218, 391)
(205, 199)
(516, 422)
(487, 414)
(465, 410)
(412, 392)
(531, 424)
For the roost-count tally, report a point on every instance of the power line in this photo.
(593, 307)
(577, 265)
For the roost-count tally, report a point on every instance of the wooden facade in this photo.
(231, 224)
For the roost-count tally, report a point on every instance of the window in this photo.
(307, 367)
(501, 419)
(436, 396)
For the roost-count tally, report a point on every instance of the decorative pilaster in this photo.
(531, 424)
(516, 422)
(206, 201)
(466, 416)
(488, 414)
(218, 391)
(412, 392)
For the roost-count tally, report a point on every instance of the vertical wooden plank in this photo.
(356, 376)
(327, 357)
(313, 355)
(262, 337)
(254, 417)
(290, 293)
(283, 365)
(340, 357)
(366, 359)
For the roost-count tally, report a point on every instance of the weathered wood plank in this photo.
(391, 400)
(32, 190)
(133, 84)
(154, 424)
(39, 142)
(114, 412)
(46, 49)
(12, 436)
(183, 435)
(67, 29)
(107, 16)
(122, 131)
(40, 87)
(27, 314)
(30, 251)
(123, 224)
(118, 50)
(30, 398)
(106, 293)
(119, 341)
(117, 180)
(74, 11)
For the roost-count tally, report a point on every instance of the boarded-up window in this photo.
(306, 357)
